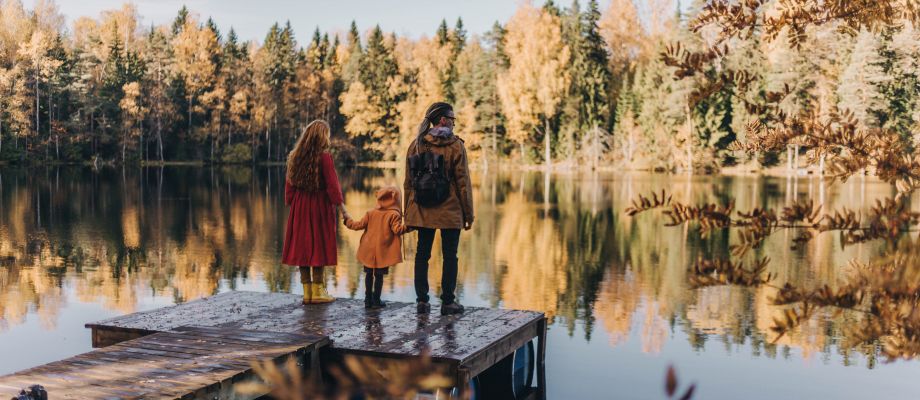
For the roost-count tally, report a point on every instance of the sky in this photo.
(252, 18)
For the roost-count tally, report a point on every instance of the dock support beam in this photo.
(541, 359)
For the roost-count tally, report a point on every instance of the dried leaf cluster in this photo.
(670, 386)
(741, 19)
(724, 272)
(885, 293)
(888, 219)
(353, 379)
(829, 135)
(846, 149)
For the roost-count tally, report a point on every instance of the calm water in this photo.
(78, 246)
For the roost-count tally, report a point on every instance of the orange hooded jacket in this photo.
(380, 244)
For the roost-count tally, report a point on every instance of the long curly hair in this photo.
(303, 161)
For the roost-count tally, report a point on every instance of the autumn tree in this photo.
(158, 58)
(478, 107)
(532, 87)
(369, 104)
(194, 48)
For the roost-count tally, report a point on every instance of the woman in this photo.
(313, 193)
(449, 212)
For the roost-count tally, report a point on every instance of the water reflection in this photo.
(121, 239)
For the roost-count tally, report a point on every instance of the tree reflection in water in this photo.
(114, 237)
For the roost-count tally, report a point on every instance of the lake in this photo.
(78, 245)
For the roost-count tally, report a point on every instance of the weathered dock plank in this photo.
(463, 345)
(184, 362)
(209, 311)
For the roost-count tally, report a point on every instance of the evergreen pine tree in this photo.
(458, 36)
(179, 22)
(496, 39)
(443, 33)
(213, 27)
(860, 84)
(352, 67)
(900, 54)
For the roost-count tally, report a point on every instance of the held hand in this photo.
(467, 225)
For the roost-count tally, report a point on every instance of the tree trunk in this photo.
(140, 141)
(495, 128)
(494, 142)
(124, 144)
(547, 160)
(597, 148)
(789, 158)
(92, 129)
(37, 119)
(160, 136)
(57, 154)
(689, 139)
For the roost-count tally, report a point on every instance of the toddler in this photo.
(381, 245)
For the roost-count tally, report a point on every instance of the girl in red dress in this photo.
(313, 193)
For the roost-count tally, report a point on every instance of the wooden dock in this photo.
(463, 346)
(184, 363)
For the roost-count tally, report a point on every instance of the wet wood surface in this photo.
(396, 330)
(467, 343)
(186, 362)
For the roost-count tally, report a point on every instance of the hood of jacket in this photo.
(388, 198)
(440, 141)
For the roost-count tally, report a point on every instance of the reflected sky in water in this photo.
(78, 245)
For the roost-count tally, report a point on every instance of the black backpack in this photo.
(428, 177)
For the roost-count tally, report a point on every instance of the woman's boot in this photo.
(305, 280)
(318, 292)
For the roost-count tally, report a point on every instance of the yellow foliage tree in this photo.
(362, 111)
(132, 112)
(624, 34)
(532, 88)
(193, 48)
(15, 105)
(427, 60)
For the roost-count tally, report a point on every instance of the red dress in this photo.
(309, 239)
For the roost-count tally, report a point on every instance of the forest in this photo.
(562, 85)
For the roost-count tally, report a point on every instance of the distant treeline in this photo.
(566, 84)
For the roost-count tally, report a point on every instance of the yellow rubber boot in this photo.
(318, 292)
(307, 293)
(320, 295)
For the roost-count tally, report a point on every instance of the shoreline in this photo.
(566, 168)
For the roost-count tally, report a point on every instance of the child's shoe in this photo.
(423, 307)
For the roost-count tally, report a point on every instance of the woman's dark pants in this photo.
(450, 239)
